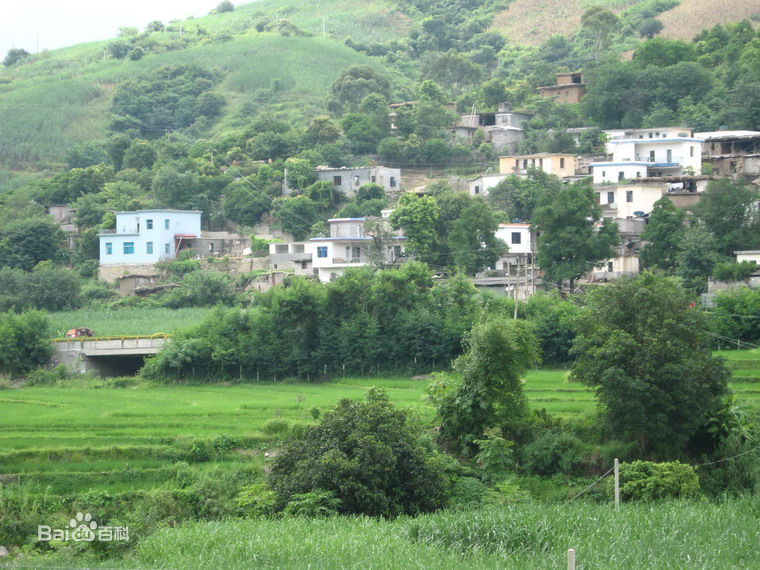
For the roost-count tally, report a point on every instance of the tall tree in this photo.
(417, 216)
(571, 240)
(663, 235)
(490, 392)
(518, 196)
(645, 350)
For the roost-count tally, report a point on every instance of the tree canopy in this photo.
(572, 241)
(645, 349)
(368, 455)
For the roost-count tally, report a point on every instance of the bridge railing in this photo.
(120, 337)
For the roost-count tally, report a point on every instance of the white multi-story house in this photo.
(520, 241)
(351, 245)
(649, 153)
(629, 200)
(144, 237)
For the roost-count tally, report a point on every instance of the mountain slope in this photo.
(55, 100)
(531, 22)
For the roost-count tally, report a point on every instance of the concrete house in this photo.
(350, 246)
(562, 165)
(628, 200)
(570, 88)
(732, 153)
(649, 153)
(349, 179)
(503, 128)
(521, 243)
(147, 236)
(482, 184)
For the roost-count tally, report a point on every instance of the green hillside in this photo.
(54, 100)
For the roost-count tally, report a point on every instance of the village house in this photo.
(142, 238)
(349, 179)
(626, 262)
(352, 243)
(570, 88)
(647, 153)
(629, 200)
(732, 153)
(561, 165)
(503, 128)
(482, 184)
(148, 236)
(521, 243)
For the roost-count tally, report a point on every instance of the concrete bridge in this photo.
(109, 355)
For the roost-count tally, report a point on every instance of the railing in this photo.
(102, 338)
(350, 260)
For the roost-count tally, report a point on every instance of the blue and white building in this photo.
(144, 237)
(649, 153)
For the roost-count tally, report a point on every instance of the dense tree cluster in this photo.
(363, 322)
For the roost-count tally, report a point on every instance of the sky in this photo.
(36, 25)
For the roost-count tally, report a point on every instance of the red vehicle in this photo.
(79, 332)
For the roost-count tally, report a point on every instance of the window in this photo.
(691, 151)
(610, 266)
(393, 181)
(337, 180)
(167, 248)
(629, 196)
(356, 180)
(109, 248)
(651, 156)
(166, 224)
(621, 176)
(148, 224)
(477, 189)
(610, 197)
(516, 237)
(604, 174)
(149, 247)
(211, 248)
(322, 251)
(562, 163)
(129, 247)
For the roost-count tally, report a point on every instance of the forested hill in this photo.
(281, 58)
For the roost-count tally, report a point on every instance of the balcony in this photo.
(350, 260)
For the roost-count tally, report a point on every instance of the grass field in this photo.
(670, 535)
(82, 436)
(131, 321)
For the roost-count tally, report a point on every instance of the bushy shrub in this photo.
(467, 492)
(553, 452)
(648, 481)
(730, 271)
(276, 427)
(316, 503)
(368, 455)
(256, 500)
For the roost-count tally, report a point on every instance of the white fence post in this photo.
(617, 484)
(571, 559)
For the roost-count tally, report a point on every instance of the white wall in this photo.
(630, 198)
(481, 186)
(151, 234)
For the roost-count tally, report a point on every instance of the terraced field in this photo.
(100, 438)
